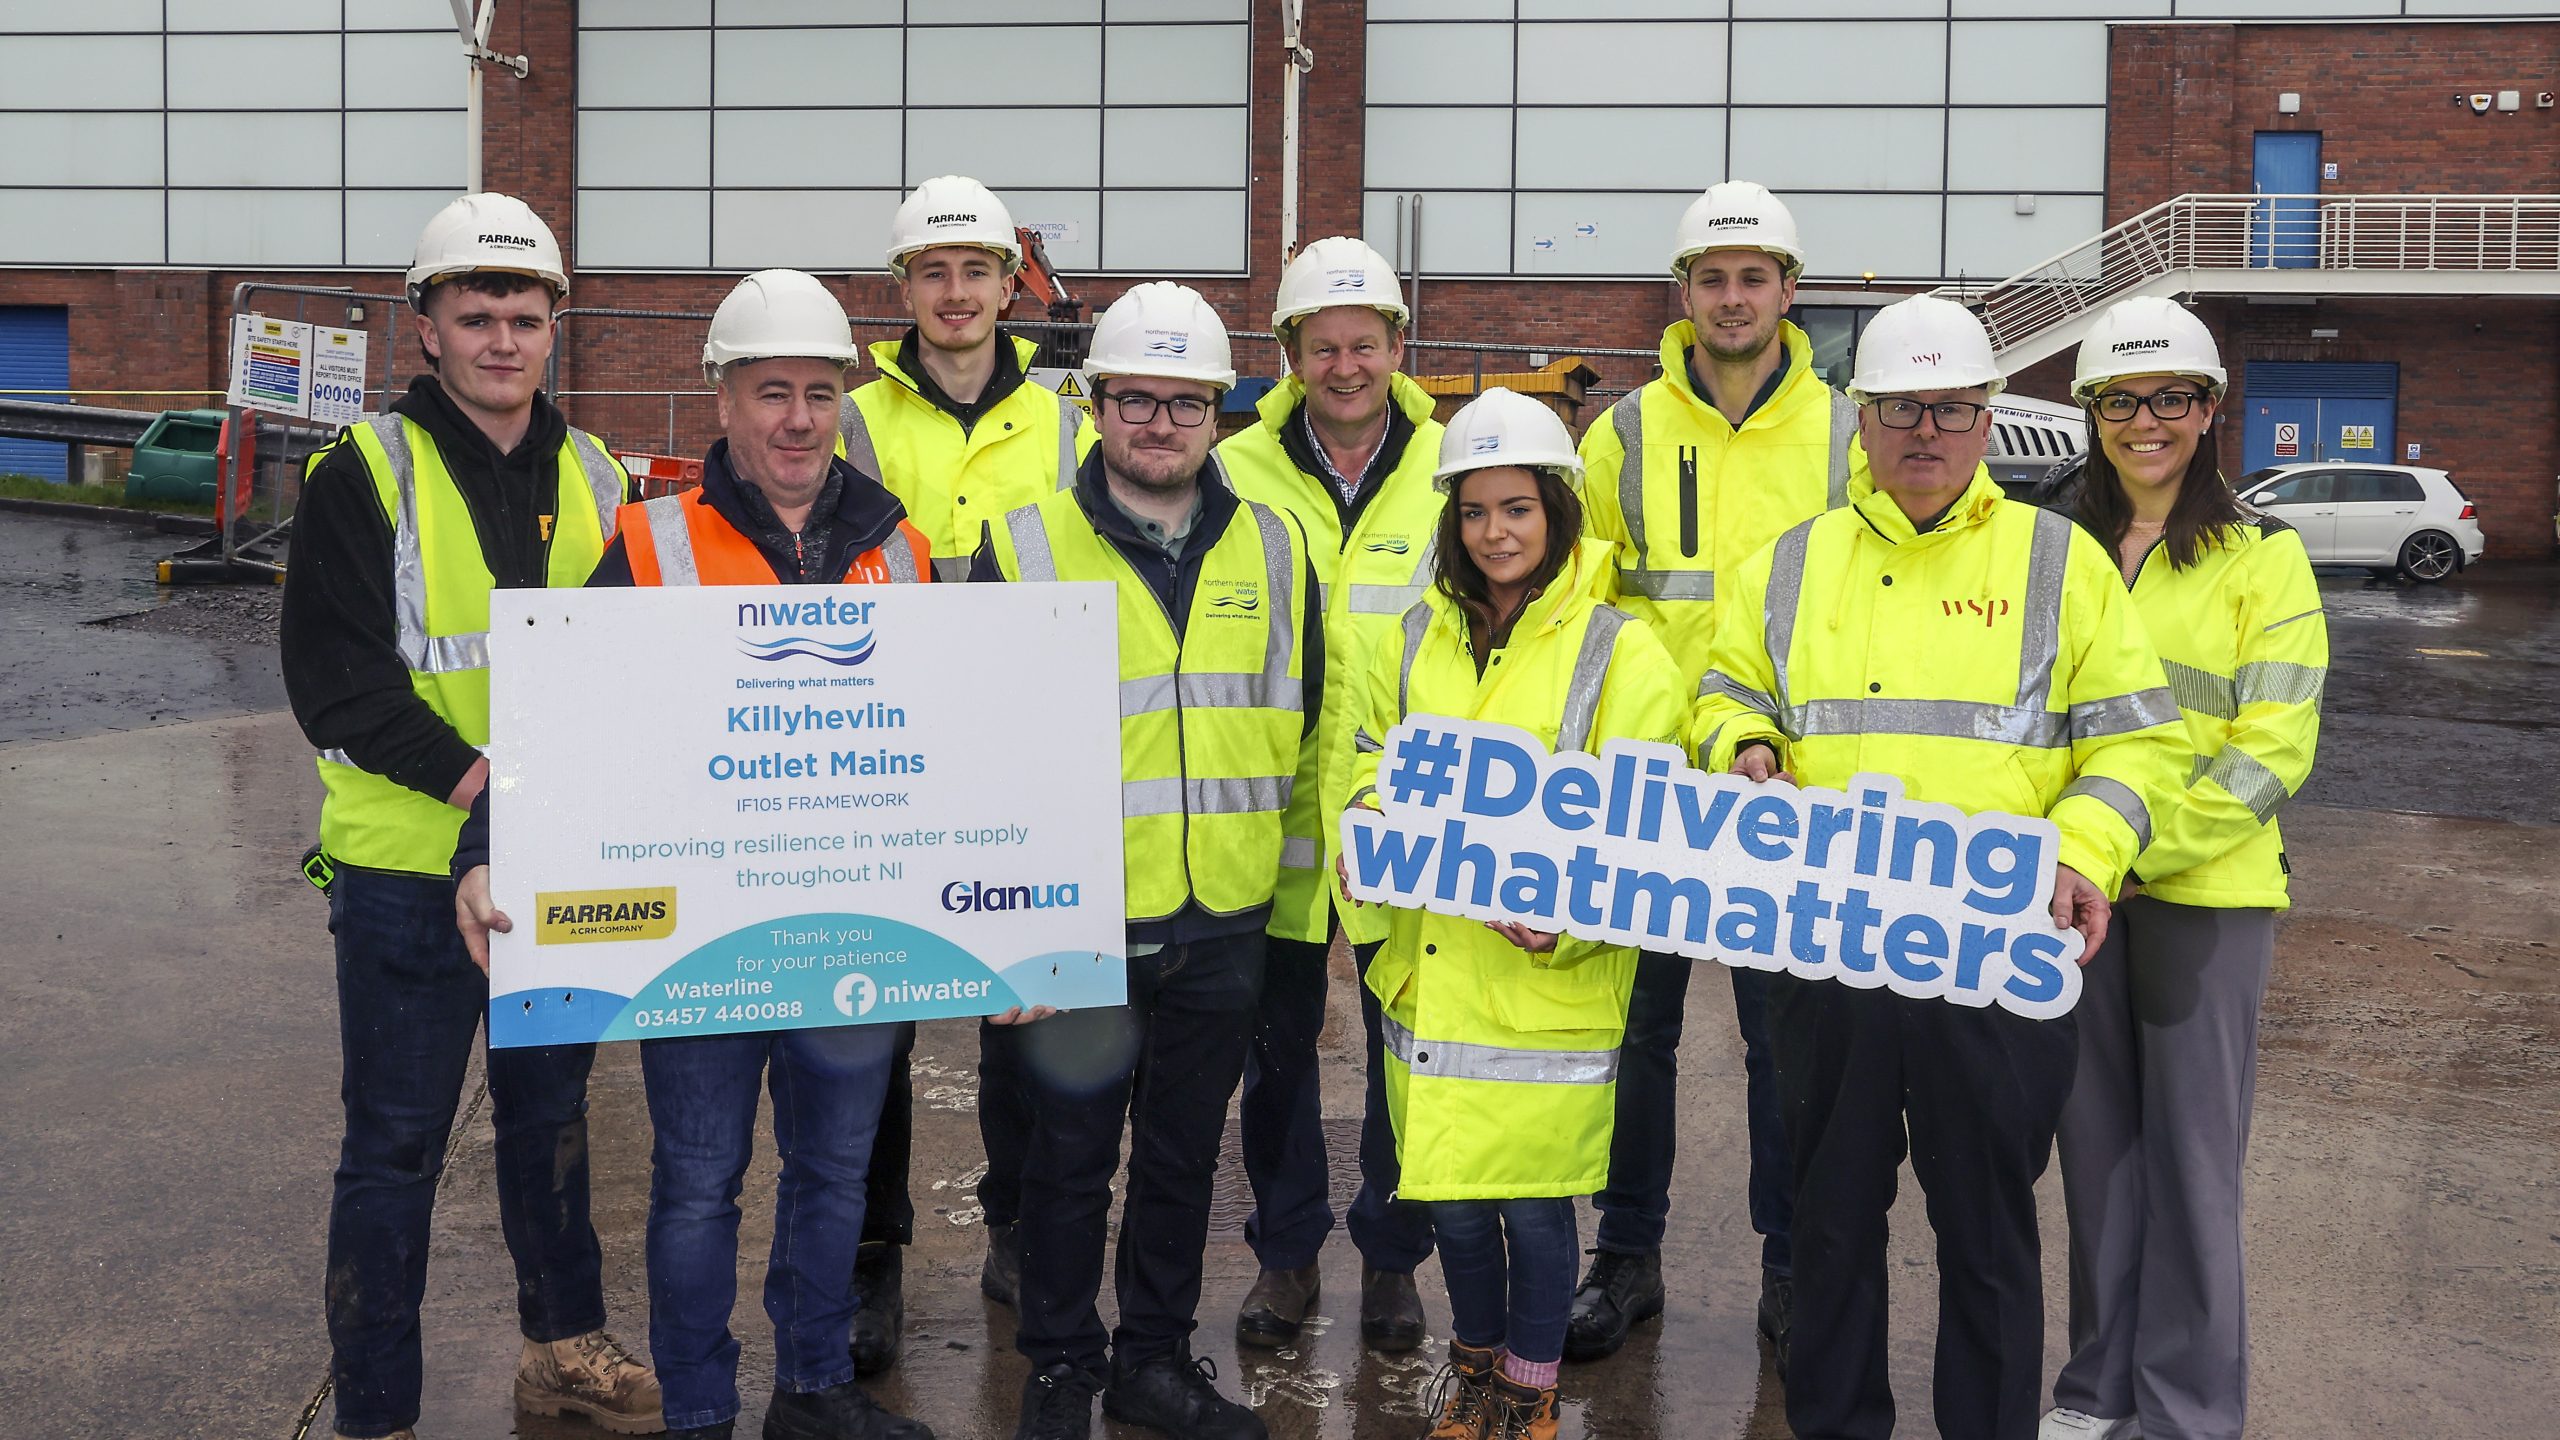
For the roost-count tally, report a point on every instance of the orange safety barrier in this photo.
(659, 475)
(241, 470)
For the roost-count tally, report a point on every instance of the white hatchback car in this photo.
(2391, 519)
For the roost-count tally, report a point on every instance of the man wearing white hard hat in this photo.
(472, 482)
(1986, 654)
(960, 434)
(1736, 441)
(1221, 673)
(1346, 444)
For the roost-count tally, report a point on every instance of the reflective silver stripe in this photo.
(1716, 682)
(2040, 637)
(338, 757)
(1300, 852)
(1582, 694)
(1844, 428)
(2289, 619)
(603, 481)
(446, 654)
(1068, 417)
(900, 558)
(1280, 570)
(1365, 743)
(1670, 584)
(2281, 682)
(1146, 695)
(1031, 556)
(1175, 796)
(1417, 623)
(1383, 599)
(1628, 417)
(1952, 719)
(2196, 769)
(950, 569)
(408, 555)
(1461, 1060)
(2201, 690)
(672, 539)
(2122, 714)
(856, 430)
(1206, 690)
(2119, 797)
(2253, 784)
(1786, 588)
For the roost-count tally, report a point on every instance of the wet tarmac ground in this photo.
(168, 1069)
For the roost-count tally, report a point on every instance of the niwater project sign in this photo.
(1635, 847)
(722, 809)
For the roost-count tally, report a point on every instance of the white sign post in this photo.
(754, 808)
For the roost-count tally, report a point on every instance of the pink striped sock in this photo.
(1541, 1377)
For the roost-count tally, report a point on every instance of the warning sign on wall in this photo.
(2288, 440)
(1067, 383)
(2355, 437)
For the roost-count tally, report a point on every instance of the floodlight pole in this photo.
(474, 31)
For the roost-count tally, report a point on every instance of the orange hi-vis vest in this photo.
(681, 540)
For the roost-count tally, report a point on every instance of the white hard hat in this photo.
(1737, 215)
(774, 314)
(1504, 427)
(952, 210)
(1337, 270)
(486, 231)
(1923, 343)
(2147, 335)
(1163, 331)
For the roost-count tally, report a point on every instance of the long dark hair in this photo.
(2206, 505)
(1458, 577)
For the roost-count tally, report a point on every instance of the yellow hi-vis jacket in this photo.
(1502, 1066)
(1688, 496)
(2246, 647)
(1993, 663)
(1210, 718)
(440, 587)
(1370, 576)
(952, 483)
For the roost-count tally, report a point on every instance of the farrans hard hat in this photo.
(2147, 335)
(486, 232)
(1163, 331)
(1923, 343)
(1503, 427)
(1337, 270)
(777, 314)
(952, 210)
(1737, 215)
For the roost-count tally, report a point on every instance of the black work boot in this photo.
(1777, 1313)
(1175, 1394)
(1616, 1292)
(839, 1412)
(1057, 1404)
(1390, 1310)
(879, 1327)
(716, 1430)
(1001, 1276)
(1277, 1306)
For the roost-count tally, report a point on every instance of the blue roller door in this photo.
(2318, 410)
(35, 354)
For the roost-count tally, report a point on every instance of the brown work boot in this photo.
(1521, 1412)
(1277, 1306)
(1462, 1394)
(590, 1375)
(1390, 1310)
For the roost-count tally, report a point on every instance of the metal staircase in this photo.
(2395, 245)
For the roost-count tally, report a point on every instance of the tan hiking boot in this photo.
(1521, 1412)
(590, 1375)
(1462, 1395)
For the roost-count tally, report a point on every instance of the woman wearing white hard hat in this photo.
(2158, 1121)
(1515, 629)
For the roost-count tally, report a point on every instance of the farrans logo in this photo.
(521, 242)
(2126, 347)
(970, 897)
(1731, 222)
(952, 217)
(584, 917)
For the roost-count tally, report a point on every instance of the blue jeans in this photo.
(827, 1089)
(1281, 1117)
(409, 1004)
(1509, 1266)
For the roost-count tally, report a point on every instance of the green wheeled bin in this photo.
(174, 459)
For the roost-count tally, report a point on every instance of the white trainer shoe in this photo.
(2061, 1424)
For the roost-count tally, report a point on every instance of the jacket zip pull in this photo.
(1689, 501)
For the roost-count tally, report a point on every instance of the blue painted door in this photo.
(2283, 430)
(2318, 410)
(35, 355)
(2285, 233)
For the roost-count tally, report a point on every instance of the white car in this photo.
(2401, 519)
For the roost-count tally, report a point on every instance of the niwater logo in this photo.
(1484, 445)
(802, 617)
(1168, 342)
(1235, 597)
(971, 897)
(1340, 282)
(1392, 545)
(584, 917)
(801, 647)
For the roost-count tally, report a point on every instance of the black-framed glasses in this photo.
(1136, 407)
(2167, 404)
(1953, 417)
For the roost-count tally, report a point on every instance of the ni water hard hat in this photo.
(952, 210)
(1337, 270)
(1737, 215)
(1164, 331)
(1923, 343)
(2147, 335)
(1503, 427)
(486, 232)
(778, 314)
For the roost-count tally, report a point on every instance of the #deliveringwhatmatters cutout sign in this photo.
(1635, 847)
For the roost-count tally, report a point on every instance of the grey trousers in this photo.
(2152, 1141)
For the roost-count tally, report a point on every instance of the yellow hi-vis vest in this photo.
(951, 482)
(1688, 496)
(1992, 663)
(1209, 718)
(440, 594)
(1501, 1066)
(1368, 577)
